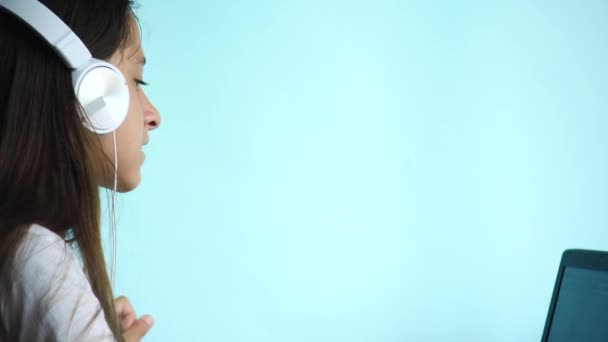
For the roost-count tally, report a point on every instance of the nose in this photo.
(151, 114)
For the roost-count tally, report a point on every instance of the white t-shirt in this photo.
(74, 314)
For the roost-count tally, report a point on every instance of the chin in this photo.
(125, 184)
(128, 184)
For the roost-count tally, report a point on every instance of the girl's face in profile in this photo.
(142, 117)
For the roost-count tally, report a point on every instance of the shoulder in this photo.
(50, 288)
(43, 254)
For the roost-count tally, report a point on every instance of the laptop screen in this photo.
(581, 310)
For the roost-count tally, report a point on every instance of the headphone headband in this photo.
(71, 49)
(99, 86)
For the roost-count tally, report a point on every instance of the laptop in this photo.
(579, 305)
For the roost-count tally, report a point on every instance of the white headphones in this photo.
(100, 87)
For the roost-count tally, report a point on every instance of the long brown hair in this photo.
(50, 165)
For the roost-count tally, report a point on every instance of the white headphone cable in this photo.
(113, 212)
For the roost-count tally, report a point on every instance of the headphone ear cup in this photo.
(103, 93)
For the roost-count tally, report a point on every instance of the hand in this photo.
(133, 329)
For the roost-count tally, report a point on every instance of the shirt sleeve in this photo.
(51, 292)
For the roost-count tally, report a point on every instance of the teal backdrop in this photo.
(365, 171)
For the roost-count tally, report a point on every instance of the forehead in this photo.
(133, 47)
(130, 54)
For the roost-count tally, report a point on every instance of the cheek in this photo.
(130, 128)
(133, 99)
(129, 136)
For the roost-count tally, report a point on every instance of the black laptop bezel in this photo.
(575, 258)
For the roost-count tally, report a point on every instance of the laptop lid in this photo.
(579, 305)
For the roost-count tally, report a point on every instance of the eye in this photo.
(140, 82)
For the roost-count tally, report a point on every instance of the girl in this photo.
(54, 285)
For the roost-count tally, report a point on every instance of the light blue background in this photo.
(365, 170)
